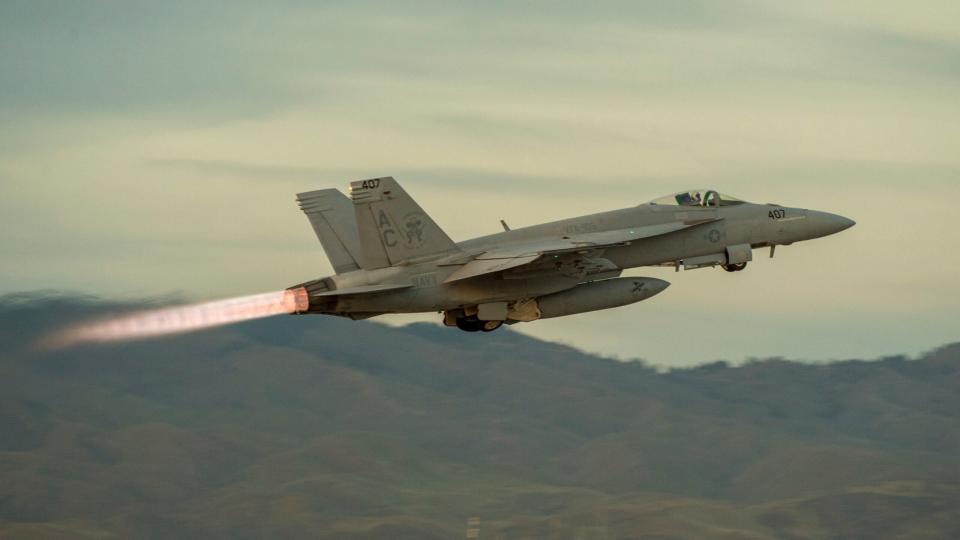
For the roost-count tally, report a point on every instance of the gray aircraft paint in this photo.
(391, 257)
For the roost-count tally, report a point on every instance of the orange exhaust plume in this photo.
(180, 319)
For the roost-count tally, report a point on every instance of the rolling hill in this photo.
(317, 427)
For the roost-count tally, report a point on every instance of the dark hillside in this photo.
(314, 427)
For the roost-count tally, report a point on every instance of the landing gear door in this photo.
(739, 254)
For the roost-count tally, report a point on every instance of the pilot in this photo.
(712, 199)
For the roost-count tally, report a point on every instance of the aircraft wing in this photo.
(516, 255)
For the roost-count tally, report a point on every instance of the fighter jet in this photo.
(390, 257)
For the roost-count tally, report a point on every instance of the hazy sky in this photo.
(154, 148)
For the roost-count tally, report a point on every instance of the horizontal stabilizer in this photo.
(478, 267)
(363, 289)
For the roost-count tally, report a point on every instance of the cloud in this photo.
(146, 147)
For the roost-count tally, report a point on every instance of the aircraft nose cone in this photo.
(839, 223)
(825, 223)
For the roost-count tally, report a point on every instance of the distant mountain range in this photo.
(318, 427)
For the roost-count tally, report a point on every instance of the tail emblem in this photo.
(413, 229)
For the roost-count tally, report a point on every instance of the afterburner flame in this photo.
(180, 319)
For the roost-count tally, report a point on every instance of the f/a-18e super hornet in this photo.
(390, 257)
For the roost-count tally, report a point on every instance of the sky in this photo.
(153, 149)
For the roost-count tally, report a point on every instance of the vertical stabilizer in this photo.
(392, 226)
(332, 216)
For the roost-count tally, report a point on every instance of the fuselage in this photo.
(713, 231)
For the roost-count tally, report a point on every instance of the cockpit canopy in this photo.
(699, 198)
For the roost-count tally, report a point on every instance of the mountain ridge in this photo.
(321, 427)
